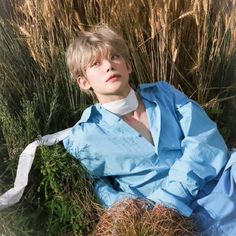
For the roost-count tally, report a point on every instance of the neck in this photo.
(114, 97)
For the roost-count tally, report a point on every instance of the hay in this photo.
(168, 222)
(137, 217)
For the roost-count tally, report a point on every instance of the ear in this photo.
(129, 67)
(83, 83)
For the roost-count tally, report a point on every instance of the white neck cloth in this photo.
(123, 106)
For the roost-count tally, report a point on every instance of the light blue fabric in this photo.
(181, 168)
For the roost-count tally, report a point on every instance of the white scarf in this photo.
(123, 106)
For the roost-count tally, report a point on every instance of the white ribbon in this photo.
(26, 159)
(123, 106)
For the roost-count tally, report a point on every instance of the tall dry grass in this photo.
(190, 43)
(185, 42)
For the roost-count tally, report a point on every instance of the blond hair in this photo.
(90, 45)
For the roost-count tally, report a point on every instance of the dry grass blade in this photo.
(121, 219)
(136, 218)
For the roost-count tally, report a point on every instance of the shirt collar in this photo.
(97, 110)
(148, 91)
(86, 114)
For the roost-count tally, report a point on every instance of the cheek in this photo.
(90, 74)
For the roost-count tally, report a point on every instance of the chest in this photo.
(141, 125)
(124, 147)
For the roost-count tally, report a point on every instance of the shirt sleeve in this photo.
(107, 194)
(204, 154)
(77, 145)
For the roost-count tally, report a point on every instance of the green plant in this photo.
(65, 193)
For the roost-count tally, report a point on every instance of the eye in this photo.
(96, 63)
(115, 56)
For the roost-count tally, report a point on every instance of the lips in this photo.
(113, 77)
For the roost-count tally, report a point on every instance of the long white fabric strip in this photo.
(26, 159)
(123, 106)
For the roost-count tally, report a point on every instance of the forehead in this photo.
(93, 53)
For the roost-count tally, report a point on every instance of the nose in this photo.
(108, 66)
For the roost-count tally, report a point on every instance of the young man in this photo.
(154, 143)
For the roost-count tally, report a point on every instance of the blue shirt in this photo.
(187, 156)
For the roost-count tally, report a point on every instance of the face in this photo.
(108, 77)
